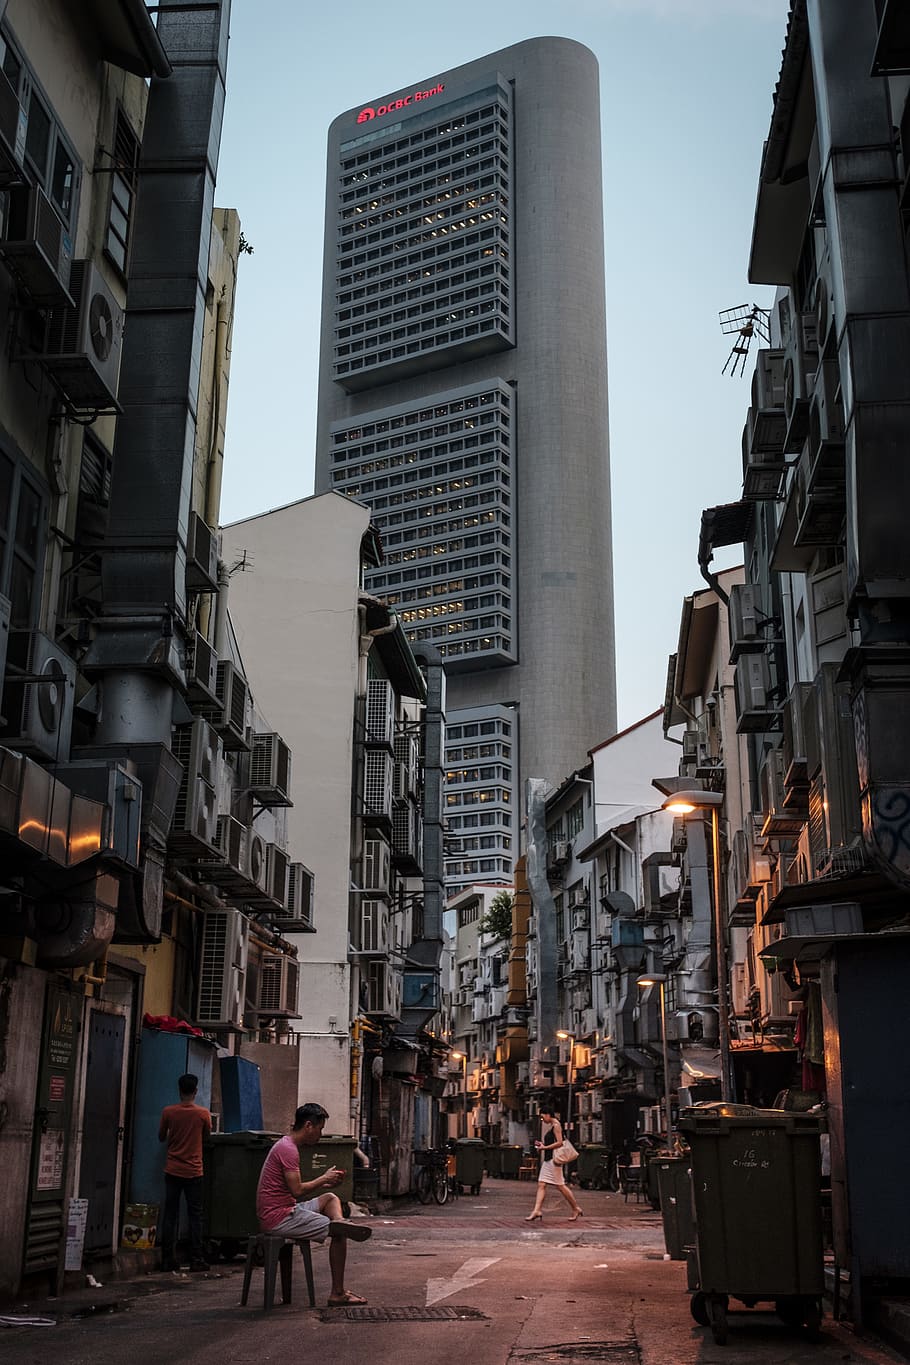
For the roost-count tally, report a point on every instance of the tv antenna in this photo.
(744, 322)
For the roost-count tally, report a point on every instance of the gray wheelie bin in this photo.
(675, 1204)
(231, 1163)
(510, 1155)
(756, 1182)
(469, 1154)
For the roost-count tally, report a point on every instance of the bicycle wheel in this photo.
(424, 1184)
(440, 1185)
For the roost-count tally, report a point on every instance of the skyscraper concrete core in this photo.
(463, 398)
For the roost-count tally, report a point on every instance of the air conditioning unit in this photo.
(747, 619)
(778, 821)
(820, 507)
(755, 711)
(581, 917)
(37, 713)
(374, 927)
(377, 785)
(690, 746)
(767, 421)
(823, 298)
(375, 865)
(279, 975)
(383, 990)
(678, 836)
(277, 863)
(82, 343)
(195, 823)
(222, 970)
(228, 868)
(38, 248)
(793, 748)
(270, 770)
(201, 556)
(402, 830)
(268, 870)
(379, 712)
(13, 126)
(800, 364)
(228, 716)
(407, 764)
(763, 471)
(559, 852)
(256, 859)
(201, 670)
(116, 787)
(301, 885)
(579, 953)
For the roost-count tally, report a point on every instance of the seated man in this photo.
(298, 1208)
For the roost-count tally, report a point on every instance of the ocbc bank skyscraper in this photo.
(463, 397)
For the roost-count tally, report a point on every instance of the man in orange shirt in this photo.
(183, 1127)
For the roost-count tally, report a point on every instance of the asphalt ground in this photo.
(469, 1280)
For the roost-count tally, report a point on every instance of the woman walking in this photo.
(550, 1173)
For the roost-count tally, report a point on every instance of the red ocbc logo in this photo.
(393, 106)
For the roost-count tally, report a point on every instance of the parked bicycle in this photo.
(432, 1175)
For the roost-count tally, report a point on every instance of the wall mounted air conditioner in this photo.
(779, 820)
(383, 990)
(270, 770)
(374, 927)
(195, 823)
(222, 970)
(256, 863)
(747, 619)
(201, 556)
(279, 977)
(755, 710)
(407, 764)
(402, 830)
(201, 670)
(690, 746)
(228, 717)
(228, 869)
(375, 865)
(37, 713)
(800, 364)
(580, 917)
(377, 785)
(277, 863)
(379, 712)
(13, 127)
(82, 344)
(820, 507)
(767, 420)
(301, 888)
(38, 248)
(823, 298)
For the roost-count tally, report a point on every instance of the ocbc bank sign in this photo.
(394, 106)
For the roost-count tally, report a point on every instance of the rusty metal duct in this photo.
(137, 654)
(872, 314)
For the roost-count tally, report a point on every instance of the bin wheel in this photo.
(812, 1317)
(228, 1248)
(790, 1311)
(717, 1308)
(698, 1307)
(585, 1184)
(475, 1189)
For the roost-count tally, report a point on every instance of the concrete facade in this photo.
(531, 343)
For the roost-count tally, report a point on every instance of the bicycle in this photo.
(432, 1178)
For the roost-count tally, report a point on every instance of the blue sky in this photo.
(686, 89)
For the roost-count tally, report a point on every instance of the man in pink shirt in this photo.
(299, 1208)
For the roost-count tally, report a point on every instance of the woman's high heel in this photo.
(579, 1213)
(533, 1217)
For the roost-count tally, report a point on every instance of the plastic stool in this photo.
(277, 1252)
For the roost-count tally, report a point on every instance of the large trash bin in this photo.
(328, 1152)
(469, 1163)
(492, 1160)
(231, 1164)
(756, 1181)
(590, 1156)
(510, 1155)
(675, 1192)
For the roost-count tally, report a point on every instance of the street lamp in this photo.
(685, 803)
(462, 1057)
(643, 982)
(561, 1033)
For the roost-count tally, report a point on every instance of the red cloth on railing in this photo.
(166, 1023)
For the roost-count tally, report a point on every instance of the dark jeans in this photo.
(191, 1188)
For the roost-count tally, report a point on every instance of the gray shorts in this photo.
(305, 1221)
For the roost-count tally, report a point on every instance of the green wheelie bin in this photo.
(231, 1163)
(510, 1155)
(492, 1159)
(756, 1183)
(469, 1154)
(675, 1191)
(590, 1156)
(328, 1152)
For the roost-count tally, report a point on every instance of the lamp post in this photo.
(685, 803)
(561, 1033)
(643, 982)
(462, 1058)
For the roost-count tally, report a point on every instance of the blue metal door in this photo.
(102, 1134)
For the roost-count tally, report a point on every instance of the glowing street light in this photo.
(563, 1035)
(686, 803)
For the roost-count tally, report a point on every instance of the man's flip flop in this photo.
(358, 1232)
(346, 1299)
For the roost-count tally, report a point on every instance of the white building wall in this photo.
(296, 624)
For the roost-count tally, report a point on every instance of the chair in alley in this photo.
(274, 1253)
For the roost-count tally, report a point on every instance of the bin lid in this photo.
(254, 1136)
(470, 1142)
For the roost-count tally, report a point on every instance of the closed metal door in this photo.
(102, 1133)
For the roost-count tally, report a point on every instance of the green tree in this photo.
(498, 919)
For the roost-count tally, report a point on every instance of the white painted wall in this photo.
(295, 619)
(623, 769)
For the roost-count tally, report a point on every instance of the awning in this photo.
(128, 36)
(729, 524)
